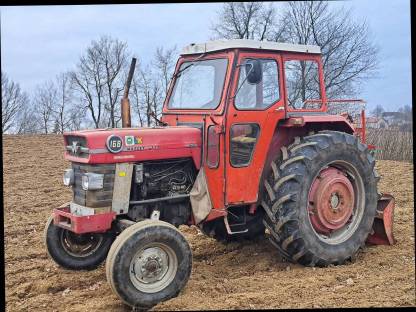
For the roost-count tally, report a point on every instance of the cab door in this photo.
(253, 112)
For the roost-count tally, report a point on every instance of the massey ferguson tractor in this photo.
(248, 145)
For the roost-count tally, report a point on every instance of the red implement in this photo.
(382, 233)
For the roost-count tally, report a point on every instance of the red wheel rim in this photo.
(331, 201)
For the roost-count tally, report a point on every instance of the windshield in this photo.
(199, 85)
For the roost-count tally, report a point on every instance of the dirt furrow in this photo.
(233, 276)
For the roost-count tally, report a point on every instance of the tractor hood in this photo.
(133, 144)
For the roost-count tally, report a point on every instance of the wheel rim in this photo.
(82, 245)
(336, 202)
(153, 267)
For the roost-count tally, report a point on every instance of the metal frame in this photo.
(122, 185)
(219, 45)
(278, 86)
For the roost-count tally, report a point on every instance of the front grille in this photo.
(94, 199)
(77, 146)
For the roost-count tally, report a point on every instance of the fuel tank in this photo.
(100, 146)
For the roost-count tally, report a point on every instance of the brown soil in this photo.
(232, 276)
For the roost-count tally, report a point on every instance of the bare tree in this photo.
(164, 62)
(406, 110)
(136, 98)
(146, 95)
(28, 120)
(150, 88)
(156, 99)
(46, 98)
(348, 53)
(88, 82)
(113, 54)
(244, 20)
(13, 99)
(150, 85)
(377, 111)
(99, 79)
(76, 117)
(63, 105)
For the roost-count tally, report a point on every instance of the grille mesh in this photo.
(94, 199)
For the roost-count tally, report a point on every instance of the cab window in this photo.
(243, 138)
(261, 95)
(302, 83)
(199, 85)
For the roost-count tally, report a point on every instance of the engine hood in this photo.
(133, 144)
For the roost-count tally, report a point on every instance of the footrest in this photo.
(63, 218)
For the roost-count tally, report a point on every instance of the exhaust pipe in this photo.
(125, 103)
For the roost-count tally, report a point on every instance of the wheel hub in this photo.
(331, 200)
(334, 201)
(80, 245)
(151, 265)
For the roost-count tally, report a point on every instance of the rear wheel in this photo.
(76, 251)
(320, 198)
(148, 263)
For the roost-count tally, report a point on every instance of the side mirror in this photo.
(254, 71)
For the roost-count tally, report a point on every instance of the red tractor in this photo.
(246, 147)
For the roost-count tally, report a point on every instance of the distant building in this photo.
(376, 123)
(398, 121)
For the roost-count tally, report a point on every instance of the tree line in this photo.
(88, 96)
(405, 112)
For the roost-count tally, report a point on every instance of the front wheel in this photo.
(148, 263)
(76, 251)
(321, 198)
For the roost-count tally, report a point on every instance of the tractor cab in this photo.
(238, 92)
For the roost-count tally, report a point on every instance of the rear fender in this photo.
(287, 130)
(320, 122)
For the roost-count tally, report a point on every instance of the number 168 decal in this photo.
(114, 144)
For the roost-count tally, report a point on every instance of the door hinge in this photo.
(219, 129)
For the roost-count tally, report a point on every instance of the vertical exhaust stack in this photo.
(125, 103)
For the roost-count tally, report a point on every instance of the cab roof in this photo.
(218, 45)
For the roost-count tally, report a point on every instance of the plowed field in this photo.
(229, 276)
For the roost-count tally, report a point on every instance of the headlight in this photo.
(92, 181)
(69, 177)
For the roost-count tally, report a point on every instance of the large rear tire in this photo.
(320, 198)
(76, 251)
(148, 263)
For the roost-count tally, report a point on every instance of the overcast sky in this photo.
(39, 42)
